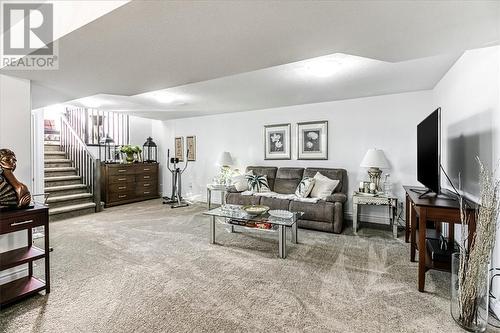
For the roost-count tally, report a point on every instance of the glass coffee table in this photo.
(234, 216)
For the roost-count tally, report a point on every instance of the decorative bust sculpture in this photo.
(12, 192)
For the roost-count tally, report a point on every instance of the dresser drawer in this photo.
(124, 187)
(122, 170)
(122, 179)
(147, 191)
(121, 196)
(148, 177)
(148, 168)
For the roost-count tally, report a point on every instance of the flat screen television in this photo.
(429, 152)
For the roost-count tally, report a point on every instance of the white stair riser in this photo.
(62, 182)
(50, 164)
(68, 215)
(66, 192)
(51, 148)
(60, 173)
(69, 202)
(53, 156)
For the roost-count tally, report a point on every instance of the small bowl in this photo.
(255, 209)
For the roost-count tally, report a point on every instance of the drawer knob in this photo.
(122, 187)
(146, 185)
(146, 177)
(147, 192)
(122, 170)
(20, 223)
(122, 196)
(122, 179)
(147, 169)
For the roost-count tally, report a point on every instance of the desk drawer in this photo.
(122, 179)
(123, 187)
(147, 191)
(11, 225)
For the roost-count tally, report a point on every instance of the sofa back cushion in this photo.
(287, 180)
(269, 172)
(339, 174)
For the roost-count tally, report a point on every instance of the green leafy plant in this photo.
(129, 149)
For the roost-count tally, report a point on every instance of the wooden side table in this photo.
(380, 200)
(216, 188)
(24, 220)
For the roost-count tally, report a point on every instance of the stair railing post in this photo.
(97, 185)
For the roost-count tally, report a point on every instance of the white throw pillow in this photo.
(323, 186)
(240, 182)
(305, 187)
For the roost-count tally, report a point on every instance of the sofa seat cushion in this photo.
(321, 211)
(238, 199)
(275, 203)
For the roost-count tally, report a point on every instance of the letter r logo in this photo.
(27, 28)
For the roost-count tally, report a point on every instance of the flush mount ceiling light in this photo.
(166, 97)
(329, 65)
(92, 102)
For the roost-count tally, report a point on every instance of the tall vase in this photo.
(469, 294)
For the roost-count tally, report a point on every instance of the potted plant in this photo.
(470, 266)
(130, 152)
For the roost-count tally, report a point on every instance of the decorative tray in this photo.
(280, 213)
(255, 209)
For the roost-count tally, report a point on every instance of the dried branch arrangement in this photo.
(473, 267)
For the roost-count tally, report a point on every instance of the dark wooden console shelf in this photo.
(126, 183)
(24, 220)
(418, 212)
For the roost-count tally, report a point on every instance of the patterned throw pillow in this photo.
(258, 183)
(305, 187)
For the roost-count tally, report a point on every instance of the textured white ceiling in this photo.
(151, 45)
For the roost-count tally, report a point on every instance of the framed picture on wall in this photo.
(277, 142)
(313, 140)
(179, 148)
(191, 147)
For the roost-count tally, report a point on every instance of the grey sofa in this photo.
(325, 215)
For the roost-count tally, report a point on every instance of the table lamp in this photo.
(225, 173)
(374, 160)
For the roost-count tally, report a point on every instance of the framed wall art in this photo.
(191, 147)
(277, 140)
(313, 140)
(179, 148)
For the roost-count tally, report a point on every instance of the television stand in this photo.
(427, 193)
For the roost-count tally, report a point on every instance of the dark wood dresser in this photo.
(126, 183)
(24, 220)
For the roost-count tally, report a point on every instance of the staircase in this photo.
(68, 195)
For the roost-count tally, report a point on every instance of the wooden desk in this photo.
(24, 220)
(418, 213)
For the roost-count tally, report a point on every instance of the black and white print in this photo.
(277, 142)
(313, 140)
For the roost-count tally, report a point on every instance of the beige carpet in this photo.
(148, 268)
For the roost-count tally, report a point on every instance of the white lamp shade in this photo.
(374, 158)
(225, 159)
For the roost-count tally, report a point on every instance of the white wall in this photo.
(469, 95)
(15, 134)
(387, 122)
